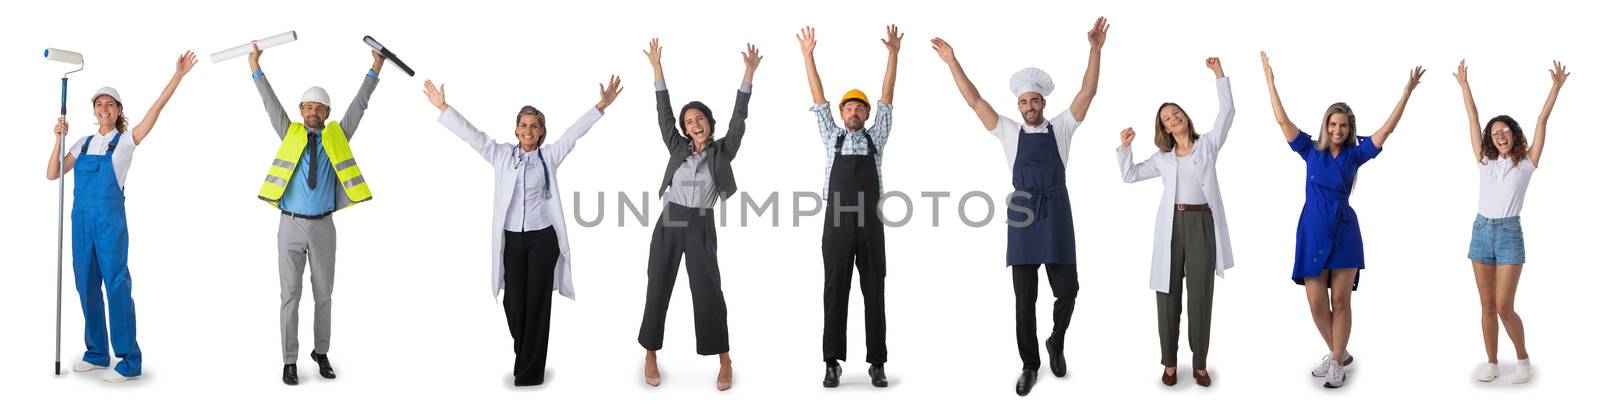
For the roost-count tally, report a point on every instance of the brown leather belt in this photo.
(1194, 207)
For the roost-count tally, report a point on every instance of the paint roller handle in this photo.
(63, 97)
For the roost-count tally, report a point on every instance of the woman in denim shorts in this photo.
(1505, 164)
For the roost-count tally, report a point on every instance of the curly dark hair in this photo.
(1519, 141)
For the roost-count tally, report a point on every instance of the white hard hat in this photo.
(316, 94)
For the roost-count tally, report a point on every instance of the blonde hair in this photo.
(1165, 140)
(1350, 139)
(530, 110)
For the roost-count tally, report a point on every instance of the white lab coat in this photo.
(502, 156)
(1165, 164)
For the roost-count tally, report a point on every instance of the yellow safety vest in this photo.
(338, 148)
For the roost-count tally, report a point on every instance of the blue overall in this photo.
(1039, 173)
(100, 254)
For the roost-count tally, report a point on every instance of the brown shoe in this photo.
(1169, 379)
(1202, 378)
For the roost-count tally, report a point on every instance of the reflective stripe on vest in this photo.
(294, 144)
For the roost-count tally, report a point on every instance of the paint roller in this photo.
(389, 56)
(75, 59)
(264, 43)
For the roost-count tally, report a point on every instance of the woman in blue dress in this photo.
(1328, 256)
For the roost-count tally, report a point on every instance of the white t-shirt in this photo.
(1501, 187)
(1008, 130)
(120, 160)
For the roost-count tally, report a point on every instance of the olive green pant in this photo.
(1194, 263)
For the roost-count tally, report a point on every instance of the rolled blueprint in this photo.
(264, 43)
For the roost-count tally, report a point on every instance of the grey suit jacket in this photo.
(720, 151)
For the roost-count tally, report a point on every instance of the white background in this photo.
(413, 322)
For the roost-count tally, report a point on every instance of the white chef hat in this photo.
(1032, 80)
(316, 94)
(106, 91)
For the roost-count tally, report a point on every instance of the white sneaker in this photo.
(1327, 360)
(1488, 372)
(114, 377)
(1523, 374)
(82, 366)
(1335, 377)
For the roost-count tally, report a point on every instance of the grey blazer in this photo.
(720, 151)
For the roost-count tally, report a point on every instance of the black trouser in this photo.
(1025, 281)
(684, 231)
(853, 239)
(530, 265)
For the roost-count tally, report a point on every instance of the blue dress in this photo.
(1329, 236)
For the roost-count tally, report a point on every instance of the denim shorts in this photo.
(1497, 241)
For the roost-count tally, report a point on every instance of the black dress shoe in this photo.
(1058, 361)
(323, 367)
(527, 382)
(830, 377)
(879, 379)
(1026, 381)
(291, 376)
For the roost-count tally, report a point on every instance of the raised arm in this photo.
(1133, 172)
(1290, 131)
(556, 152)
(269, 98)
(969, 92)
(1091, 72)
(458, 124)
(1558, 78)
(358, 105)
(1382, 134)
(808, 43)
(185, 63)
(892, 42)
(1225, 110)
(741, 101)
(665, 119)
(1474, 129)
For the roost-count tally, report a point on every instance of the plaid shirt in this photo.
(855, 142)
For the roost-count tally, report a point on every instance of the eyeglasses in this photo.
(1501, 131)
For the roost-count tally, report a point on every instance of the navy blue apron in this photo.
(1040, 179)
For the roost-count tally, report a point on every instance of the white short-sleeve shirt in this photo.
(1501, 187)
(1008, 130)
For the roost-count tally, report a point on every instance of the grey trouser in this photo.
(1194, 256)
(298, 240)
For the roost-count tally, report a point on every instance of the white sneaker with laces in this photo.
(82, 366)
(1488, 372)
(1335, 377)
(1322, 370)
(1523, 374)
(114, 377)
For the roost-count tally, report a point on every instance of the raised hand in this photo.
(946, 52)
(752, 58)
(608, 93)
(1416, 78)
(808, 40)
(1558, 73)
(892, 41)
(654, 52)
(377, 61)
(255, 57)
(1461, 73)
(435, 95)
(1127, 137)
(1097, 35)
(1266, 66)
(1215, 64)
(186, 62)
